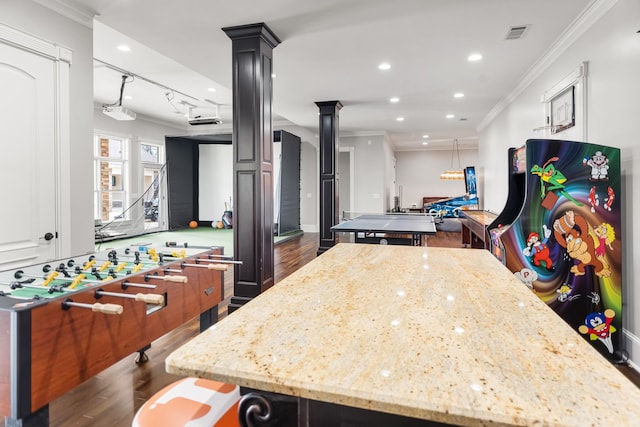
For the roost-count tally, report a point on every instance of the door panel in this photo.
(27, 163)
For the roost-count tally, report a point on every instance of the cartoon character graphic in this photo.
(608, 201)
(599, 166)
(598, 326)
(538, 249)
(552, 179)
(594, 201)
(564, 293)
(571, 231)
(527, 276)
(603, 235)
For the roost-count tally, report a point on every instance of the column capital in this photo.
(252, 31)
(332, 104)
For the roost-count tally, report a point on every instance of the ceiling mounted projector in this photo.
(211, 119)
(118, 112)
(201, 120)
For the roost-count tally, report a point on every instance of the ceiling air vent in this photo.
(516, 32)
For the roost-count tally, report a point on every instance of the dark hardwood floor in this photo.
(111, 398)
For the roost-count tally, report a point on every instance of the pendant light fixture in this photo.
(453, 174)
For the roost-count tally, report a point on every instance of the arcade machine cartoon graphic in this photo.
(560, 233)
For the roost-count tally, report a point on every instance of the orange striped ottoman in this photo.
(192, 402)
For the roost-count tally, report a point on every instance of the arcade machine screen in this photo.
(519, 163)
(470, 182)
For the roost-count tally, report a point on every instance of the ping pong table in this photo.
(389, 229)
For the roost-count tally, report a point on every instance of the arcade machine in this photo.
(515, 200)
(560, 233)
(474, 222)
(450, 208)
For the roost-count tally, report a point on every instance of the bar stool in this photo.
(193, 402)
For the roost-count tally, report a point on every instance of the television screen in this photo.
(470, 181)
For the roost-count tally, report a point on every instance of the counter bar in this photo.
(441, 334)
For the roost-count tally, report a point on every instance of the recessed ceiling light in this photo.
(384, 66)
(211, 89)
(474, 57)
(124, 48)
(425, 143)
(273, 75)
(425, 136)
(394, 99)
(400, 119)
(450, 116)
(458, 95)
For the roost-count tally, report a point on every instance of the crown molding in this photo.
(34, 44)
(71, 10)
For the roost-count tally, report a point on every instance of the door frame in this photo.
(351, 152)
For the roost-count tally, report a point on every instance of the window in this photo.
(149, 153)
(111, 184)
(152, 157)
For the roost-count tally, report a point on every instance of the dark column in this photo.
(252, 47)
(329, 214)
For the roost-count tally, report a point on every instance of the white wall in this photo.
(309, 210)
(612, 48)
(369, 176)
(418, 172)
(389, 181)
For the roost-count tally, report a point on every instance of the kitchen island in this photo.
(440, 334)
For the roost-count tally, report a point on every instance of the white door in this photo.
(28, 158)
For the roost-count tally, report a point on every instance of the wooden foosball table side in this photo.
(48, 350)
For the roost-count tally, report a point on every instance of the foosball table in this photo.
(63, 322)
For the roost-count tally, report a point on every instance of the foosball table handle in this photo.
(218, 267)
(156, 299)
(107, 308)
(177, 279)
(95, 307)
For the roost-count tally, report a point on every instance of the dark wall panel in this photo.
(182, 181)
(289, 183)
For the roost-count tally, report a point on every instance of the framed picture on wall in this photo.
(562, 110)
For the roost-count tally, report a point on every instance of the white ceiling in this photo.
(330, 50)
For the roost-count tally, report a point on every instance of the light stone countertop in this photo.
(443, 334)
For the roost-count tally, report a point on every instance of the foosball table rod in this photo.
(26, 284)
(19, 274)
(125, 285)
(155, 299)
(79, 279)
(218, 266)
(220, 261)
(187, 245)
(176, 279)
(96, 307)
